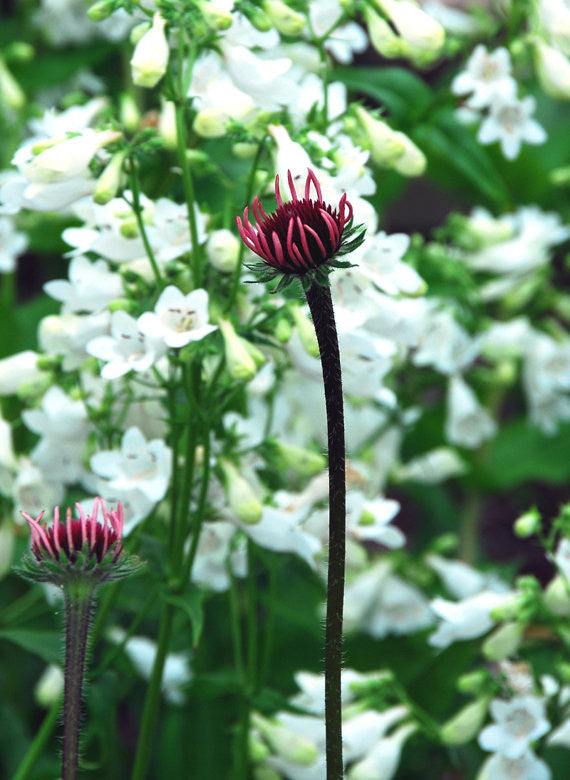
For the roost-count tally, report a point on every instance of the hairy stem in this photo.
(78, 601)
(320, 303)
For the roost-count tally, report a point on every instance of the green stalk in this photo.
(78, 599)
(135, 187)
(188, 191)
(320, 303)
(152, 699)
(248, 194)
(40, 741)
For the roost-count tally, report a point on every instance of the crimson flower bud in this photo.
(302, 238)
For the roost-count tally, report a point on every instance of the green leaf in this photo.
(404, 94)
(521, 452)
(457, 161)
(191, 604)
(45, 644)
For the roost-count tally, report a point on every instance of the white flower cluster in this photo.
(488, 81)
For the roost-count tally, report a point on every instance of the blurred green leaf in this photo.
(458, 162)
(521, 452)
(45, 644)
(403, 93)
(191, 603)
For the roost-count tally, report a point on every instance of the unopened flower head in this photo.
(77, 548)
(302, 237)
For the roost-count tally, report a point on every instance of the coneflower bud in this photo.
(302, 238)
(76, 555)
(77, 549)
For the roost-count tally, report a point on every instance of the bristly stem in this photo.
(78, 602)
(320, 303)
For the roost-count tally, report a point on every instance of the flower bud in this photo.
(284, 18)
(216, 17)
(527, 524)
(258, 750)
(17, 370)
(386, 145)
(382, 37)
(11, 94)
(63, 159)
(109, 183)
(413, 161)
(239, 362)
(306, 331)
(167, 124)
(553, 70)
(285, 742)
(283, 330)
(244, 151)
(241, 497)
(129, 112)
(423, 35)
(150, 57)
(557, 597)
(211, 122)
(129, 228)
(473, 682)
(510, 608)
(222, 250)
(305, 462)
(50, 686)
(465, 724)
(503, 642)
(101, 10)
(258, 18)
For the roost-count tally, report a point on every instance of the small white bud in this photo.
(241, 497)
(553, 70)
(465, 724)
(222, 250)
(50, 686)
(239, 362)
(285, 742)
(283, 18)
(109, 183)
(306, 331)
(503, 642)
(386, 145)
(150, 57)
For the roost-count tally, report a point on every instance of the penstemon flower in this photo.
(302, 238)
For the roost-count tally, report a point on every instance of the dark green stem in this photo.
(40, 740)
(78, 601)
(150, 710)
(320, 303)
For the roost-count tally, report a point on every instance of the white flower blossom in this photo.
(467, 423)
(126, 349)
(465, 619)
(487, 76)
(526, 767)
(510, 123)
(91, 286)
(139, 465)
(210, 569)
(518, 723)
(178, 319)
